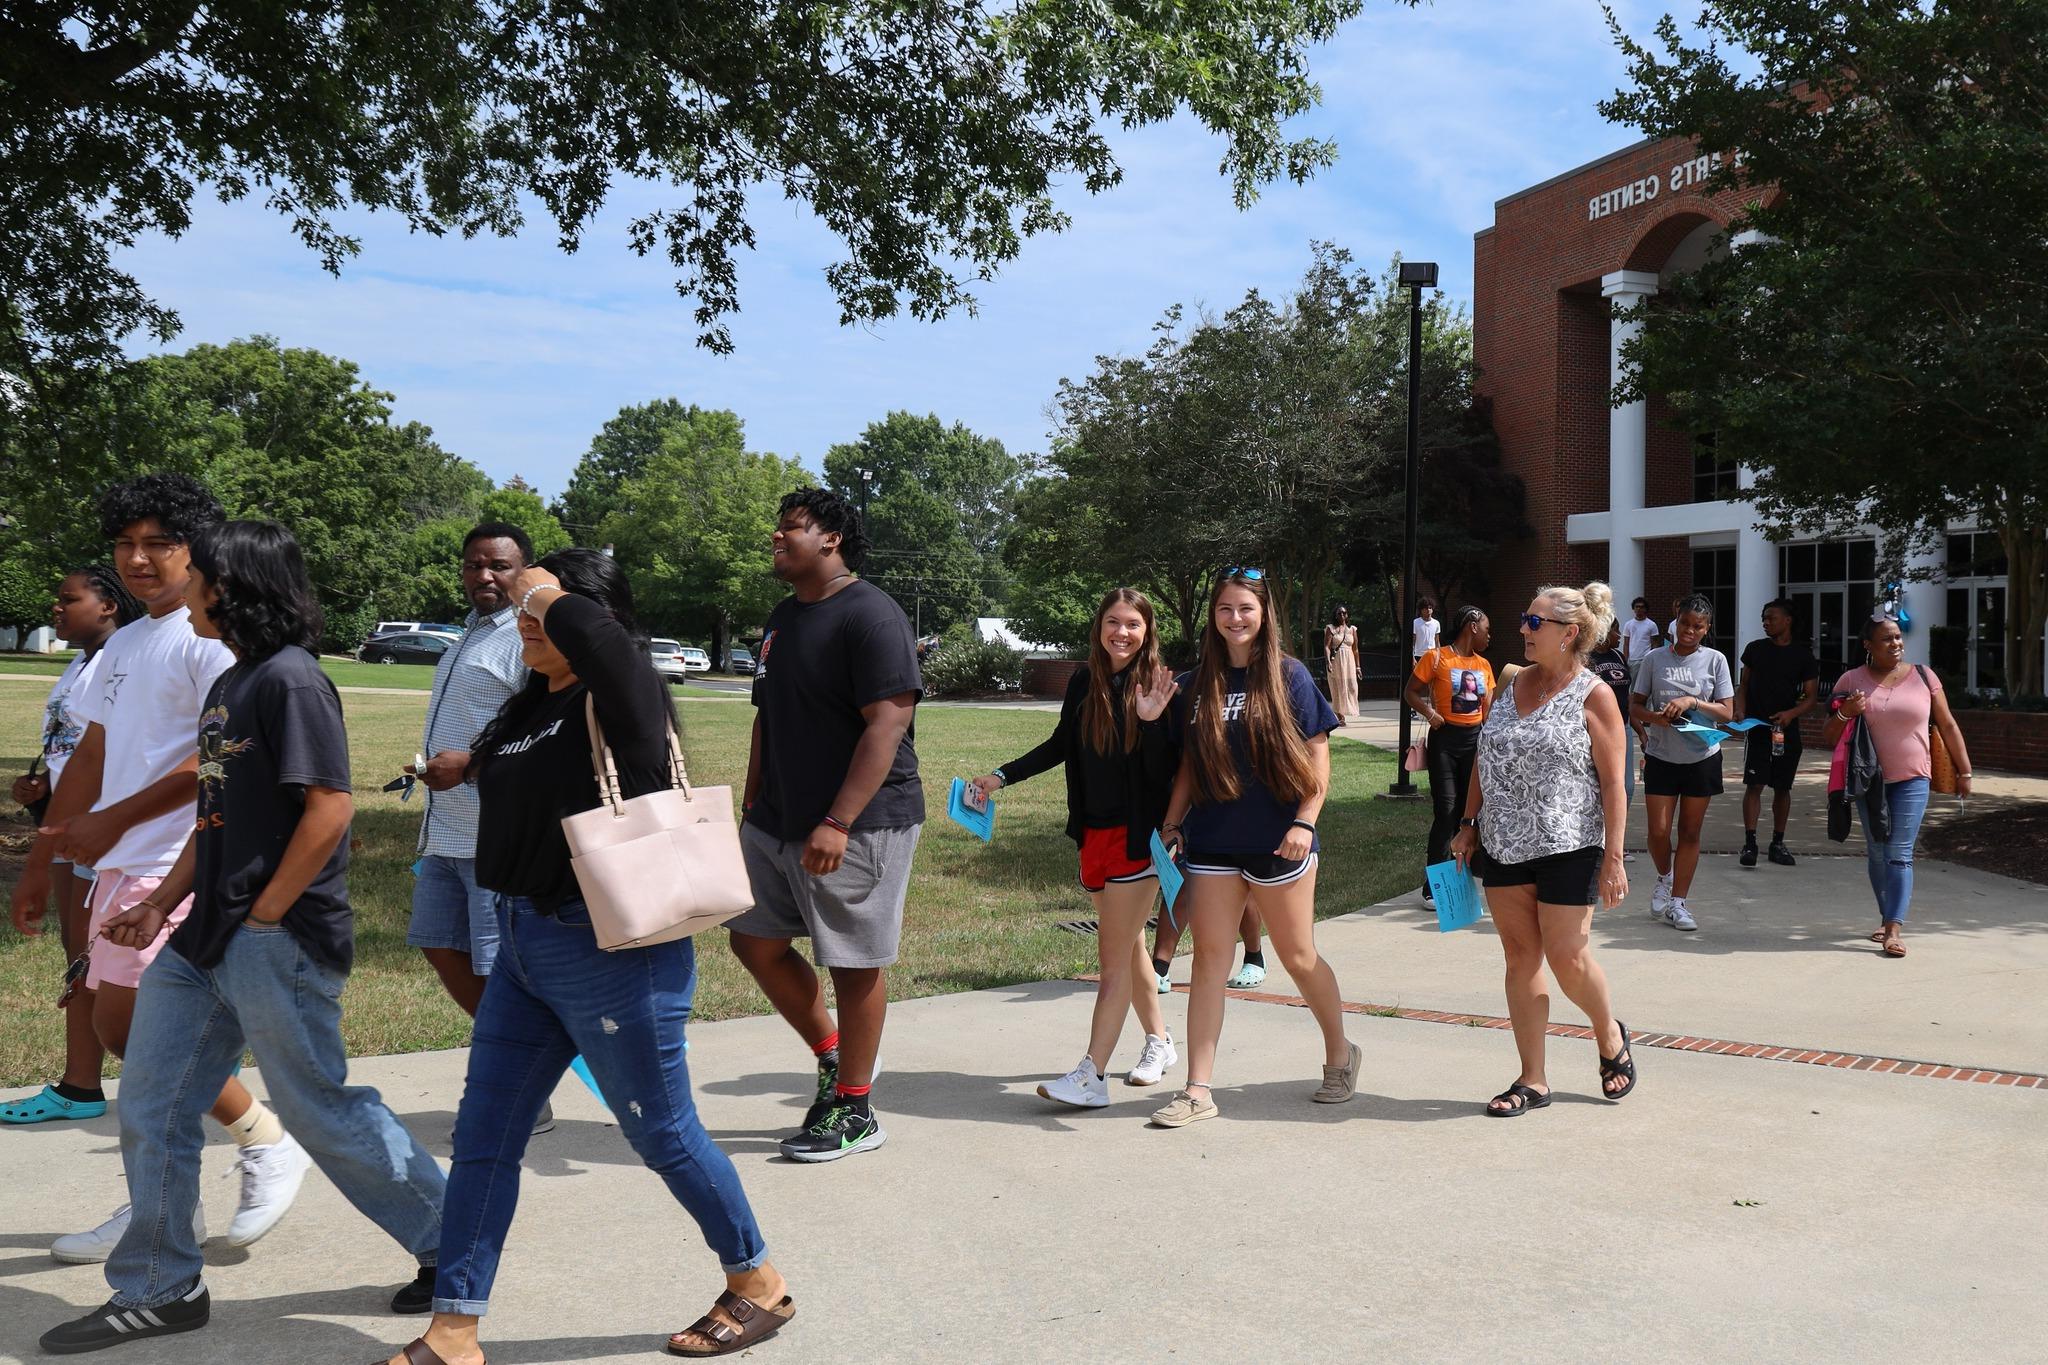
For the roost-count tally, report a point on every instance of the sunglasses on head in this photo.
(1240, 571)
(1535, 622)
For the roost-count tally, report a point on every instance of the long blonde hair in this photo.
(1098, 722)
(1278, 752)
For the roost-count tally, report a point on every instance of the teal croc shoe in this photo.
(1249, 976)
(48, 1106)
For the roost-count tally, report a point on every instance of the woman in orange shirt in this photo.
(1452, 688)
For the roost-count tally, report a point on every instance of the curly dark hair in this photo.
(181, 504)
(266, 600)
(585, 573)
(829, 512)
(106, 585)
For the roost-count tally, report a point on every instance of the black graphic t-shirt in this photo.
(1257, 820)
(820, 663)
(271, 729)
(540, 769)
(1609, 667)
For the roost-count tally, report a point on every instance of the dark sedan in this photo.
(409, 647)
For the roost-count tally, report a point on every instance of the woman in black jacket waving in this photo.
(554, 993)
(1120, 762)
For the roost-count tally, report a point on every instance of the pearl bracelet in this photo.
(528, 596)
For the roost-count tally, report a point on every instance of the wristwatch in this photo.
(1468, 824)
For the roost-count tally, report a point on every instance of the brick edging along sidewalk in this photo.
(1678, 1042)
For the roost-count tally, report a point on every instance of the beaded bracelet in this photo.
(836, 823)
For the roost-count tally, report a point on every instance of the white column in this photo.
(1628, 441)
(1926, 599)
(1756, 569)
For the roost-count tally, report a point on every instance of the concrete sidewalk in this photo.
(1730, 1209)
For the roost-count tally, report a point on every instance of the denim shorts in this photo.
(449, 910)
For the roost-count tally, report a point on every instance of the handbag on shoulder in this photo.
(1941, 765)
(655, 867)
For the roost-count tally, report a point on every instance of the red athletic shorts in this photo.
(1103, 860)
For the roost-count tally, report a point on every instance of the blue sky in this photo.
(515, 353)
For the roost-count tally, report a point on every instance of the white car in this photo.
(668, 659)
(696, 660)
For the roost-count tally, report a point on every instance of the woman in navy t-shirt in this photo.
(1254, 772)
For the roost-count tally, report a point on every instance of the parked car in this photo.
(668, 658)
(741, 659)
(406, 627)
(696, 660)
(407, 647)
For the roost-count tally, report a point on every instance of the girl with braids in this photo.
(1681, 682)
(1452, 689)
(1112, 737)
(1254, 771)
(91, 605)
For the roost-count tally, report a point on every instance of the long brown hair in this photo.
(1279, 754)
(1099, 714)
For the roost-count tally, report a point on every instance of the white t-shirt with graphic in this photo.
(1425, 635)
(62, 729)
(152, 682)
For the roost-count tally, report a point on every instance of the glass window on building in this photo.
(1970, 649)
(1833, 589)
(1713, 477)
(1713, 577)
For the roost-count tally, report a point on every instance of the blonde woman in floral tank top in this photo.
(1543, 830)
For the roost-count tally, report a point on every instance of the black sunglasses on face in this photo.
(1535, 622)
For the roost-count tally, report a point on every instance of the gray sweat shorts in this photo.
(853, 916)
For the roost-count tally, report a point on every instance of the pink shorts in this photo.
(111, 964)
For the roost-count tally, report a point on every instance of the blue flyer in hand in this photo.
(1738, 726)
(1706, 732)
(978, 820)
(1457, 896)
(1170, 876)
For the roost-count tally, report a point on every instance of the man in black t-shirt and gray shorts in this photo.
(1779, 685)
(833, 809)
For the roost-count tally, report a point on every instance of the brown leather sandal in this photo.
(416, 1352)
(757, 1324)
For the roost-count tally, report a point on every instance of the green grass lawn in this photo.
(345, 672)
(979, 915)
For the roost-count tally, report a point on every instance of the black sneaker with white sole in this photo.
(1781, 855)
(111, 1324)
(842, 1131)
(417, 1297)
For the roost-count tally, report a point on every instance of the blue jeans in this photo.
(555, 994)
(1890, 863)
(449, 910)
(189, 1030)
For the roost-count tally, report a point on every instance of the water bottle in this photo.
(1777, 741)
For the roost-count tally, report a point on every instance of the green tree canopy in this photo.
(926, 137)
(620, 451)
(284, 433)
(937, 500)
(692, 528)
(1880, 355)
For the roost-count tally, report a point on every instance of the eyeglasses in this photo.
(1240, 571)
(1535, 622)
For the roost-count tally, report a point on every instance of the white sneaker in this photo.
(1678, 917)
(93, 1248)
(270, 1181)
(1153, 1061)
(1166, 985)
(1082, 1087)
(1660, 899)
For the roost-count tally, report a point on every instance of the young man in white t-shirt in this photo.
(126, 806)
(1638, 634)
(1426, 629)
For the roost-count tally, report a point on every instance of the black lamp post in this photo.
(1416, 276)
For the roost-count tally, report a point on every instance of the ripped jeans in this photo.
(1890, 863)
(553, 993)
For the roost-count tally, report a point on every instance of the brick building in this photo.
(1617, 493)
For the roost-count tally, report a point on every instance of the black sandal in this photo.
(1622, 1064)
(1519, 1098)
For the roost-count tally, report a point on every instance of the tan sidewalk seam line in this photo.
(1679, 1042)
